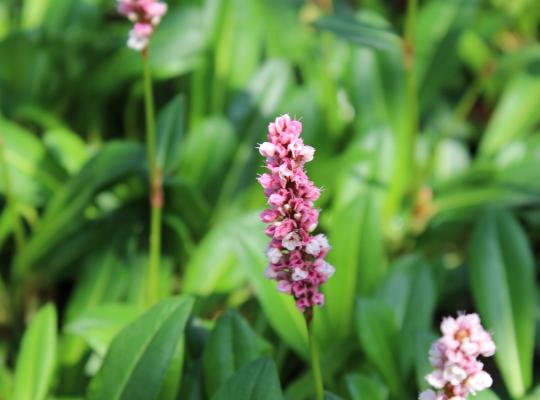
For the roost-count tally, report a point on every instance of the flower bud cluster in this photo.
(458, 372)
(296, 257)
(146, 15)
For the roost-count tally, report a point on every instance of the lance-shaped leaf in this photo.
(502, 279)
(140, 356)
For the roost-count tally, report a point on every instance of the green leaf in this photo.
(255, 381)
(436, 55)
(102, 280)
(359, 32)
(515, 114)
(358, 254)
(361, 387)
(34, 175)
(139, 357)
(379, 337)
(231, 345)
(424, 340)
(170, 132)
(37, 357)
(115, 161)
(489, 395)
(228, 255)
(207, 152)
(99, 325)
(410, 291)
(66, 148)
(502, 279)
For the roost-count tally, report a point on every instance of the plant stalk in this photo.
(10, 199)
(314, 354)
(156, 185)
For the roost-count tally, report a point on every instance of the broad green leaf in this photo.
(515, 114)
(171, 383)
(231, 345)
(99, 325)
(424, 340)
(66, 148)
(489, 395)
(358, 255)
(206, 153)
(257, 380)
(436, 55)
(34, 175)
(102, 281)
(114, 162)
(170, 132)
(502, 279)
(379, 337)
(140, 356)
(409, 290)
(37, 357)
(359, 32)
(361, 387)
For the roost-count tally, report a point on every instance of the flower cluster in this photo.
(146, 15)
(296, 258)
(458, 373)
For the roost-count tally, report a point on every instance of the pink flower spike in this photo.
(146, 15)
(457, 372)
(294, 252)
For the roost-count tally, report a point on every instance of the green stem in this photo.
(313, 351)
(411, 85)
(406, 171)
(156, 186)
(10, 199)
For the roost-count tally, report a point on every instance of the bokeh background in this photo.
(426, 123)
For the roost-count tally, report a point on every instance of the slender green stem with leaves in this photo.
(156, 185)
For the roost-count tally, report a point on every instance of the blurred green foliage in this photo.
(426, 125)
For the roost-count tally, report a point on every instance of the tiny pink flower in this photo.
(274, 255)
(457, 372)
(146, 14)
(267, 149)
(292, 216)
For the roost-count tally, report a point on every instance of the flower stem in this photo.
(314, 354)
(10, 199)
(156, 186)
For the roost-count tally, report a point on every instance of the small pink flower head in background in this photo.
(457, 372)
(146, 15)
(296, 257)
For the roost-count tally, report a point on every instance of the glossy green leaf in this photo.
(140, 356)
(379, 337)
(231, 345)
(114, 162)
(257, 380)
(502, 279)
(436, 55)
(515, 114)
(409, 290)
(361, 387)
(170, 132)
(487, 395)
(358, 32)
(37, 357)
(358, 255)
(99, 325)
(34, 175)
(67, 148)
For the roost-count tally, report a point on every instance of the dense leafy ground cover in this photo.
(425, 120)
